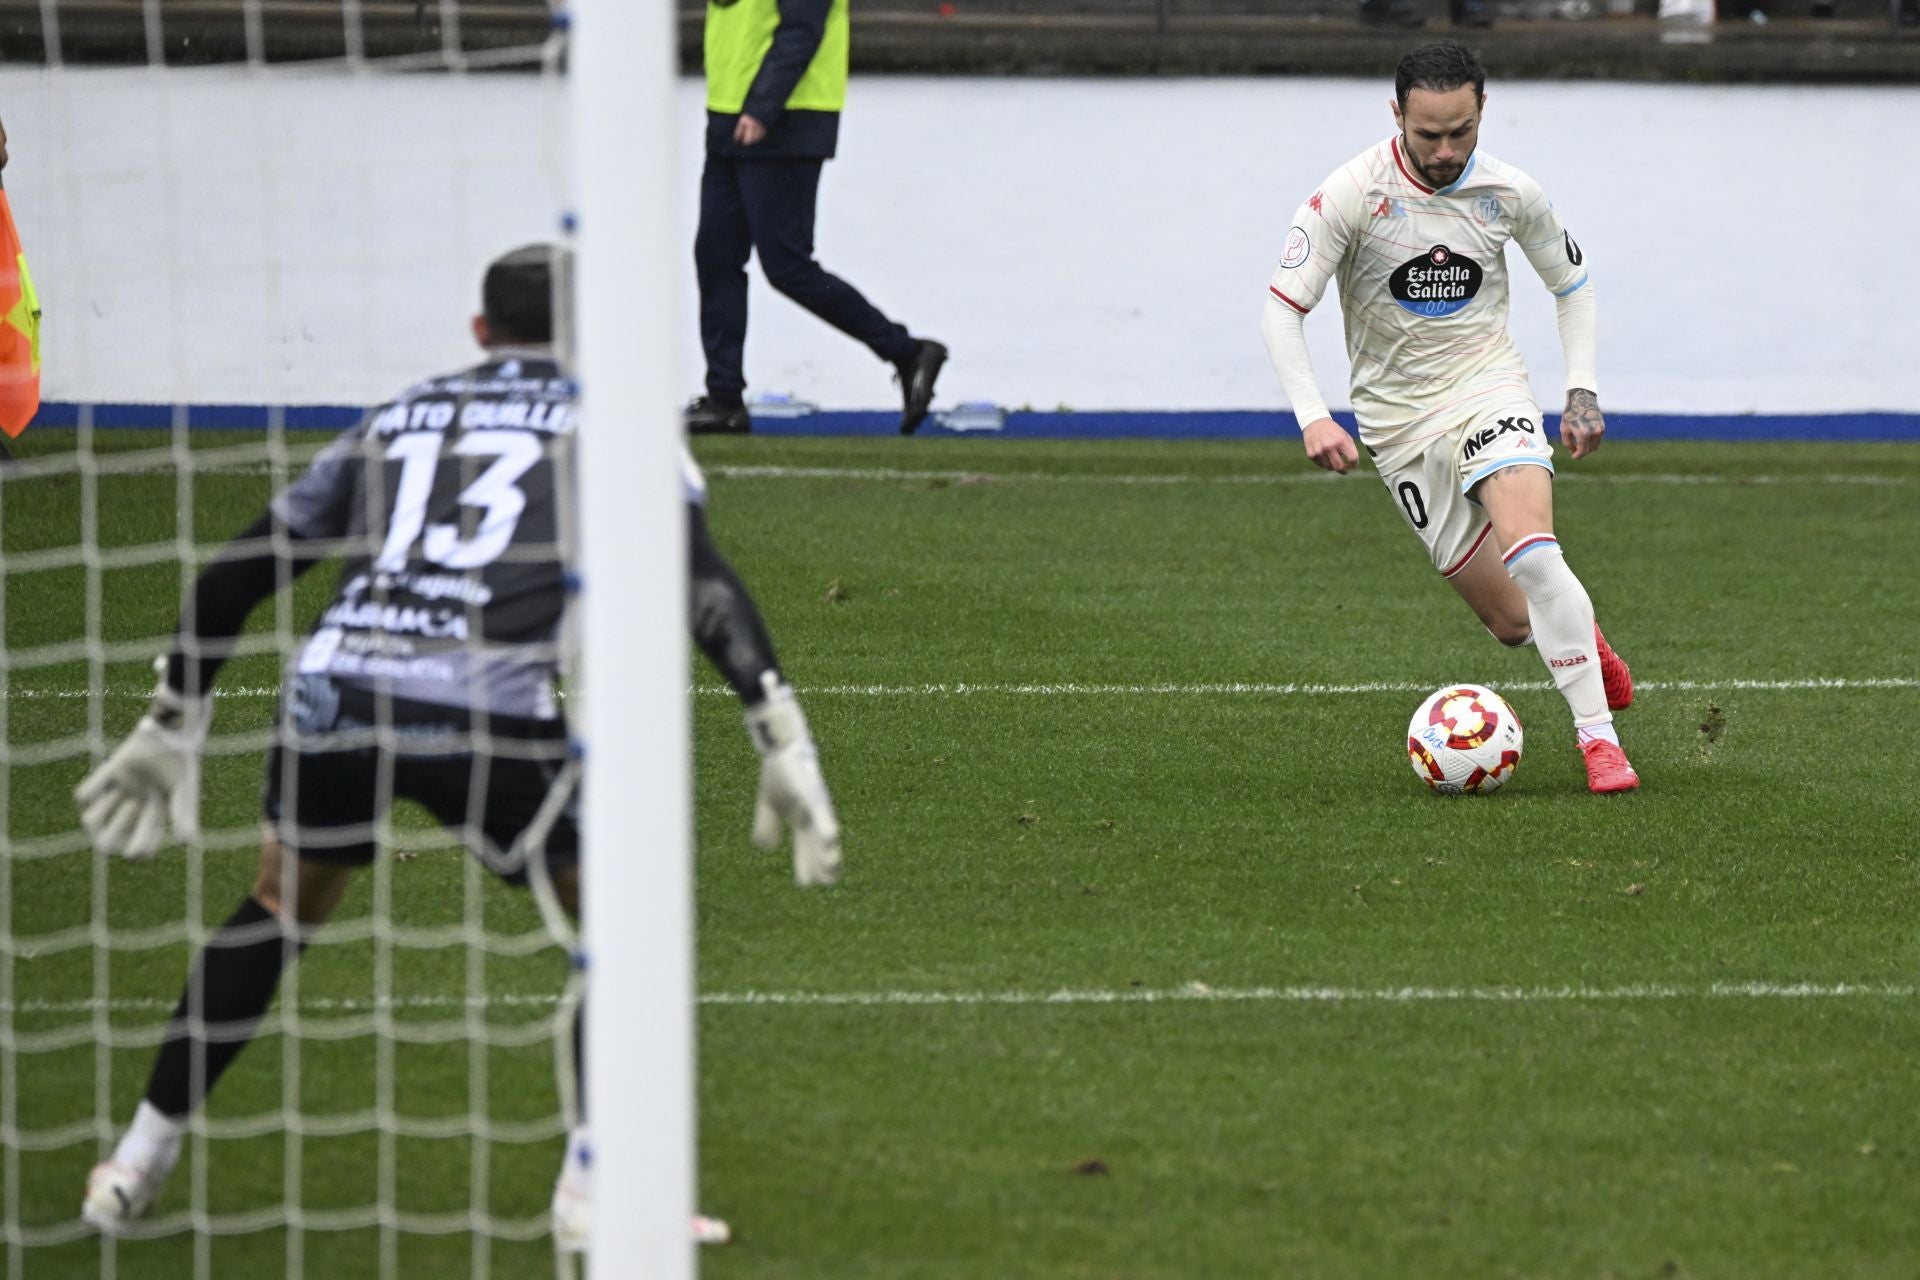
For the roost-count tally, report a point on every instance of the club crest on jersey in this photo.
(1486, 209)
(1298, 249)
(1437, 283)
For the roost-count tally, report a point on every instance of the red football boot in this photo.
(1607, 768)
(1614, 674)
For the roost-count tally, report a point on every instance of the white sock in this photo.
(1526, 643)
(152, 1141)
(1562, 616)
(1602, 732)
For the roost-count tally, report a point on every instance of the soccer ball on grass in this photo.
(1464, 739)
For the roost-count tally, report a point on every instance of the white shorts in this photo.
(1433, 488)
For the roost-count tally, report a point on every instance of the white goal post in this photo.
(238, 250)
(638, 869)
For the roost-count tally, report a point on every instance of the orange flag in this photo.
(19, 330)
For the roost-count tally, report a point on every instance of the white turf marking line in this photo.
(895, 475)
(308, 1004)
(1190, 993)
(1072, 690)
(1201, 993)
(1307, 690)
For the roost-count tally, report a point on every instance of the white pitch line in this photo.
(1263, 689)
(899, 474)
(309, 1004)
(240, 692)
(1135, 480)
(1071, 689)
(1201, 993)
(1189, 993)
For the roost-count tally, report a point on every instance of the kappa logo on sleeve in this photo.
(1299, 248)
(1437, 283)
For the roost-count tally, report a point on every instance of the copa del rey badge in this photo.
(1298, 249)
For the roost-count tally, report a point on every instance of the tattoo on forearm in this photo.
(1583, 411)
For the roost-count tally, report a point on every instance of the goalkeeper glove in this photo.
(151, 777)
(792, 792)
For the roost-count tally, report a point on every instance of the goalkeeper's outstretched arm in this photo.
(726, 623)
(249, 569)
(152, 779)
(729, 630)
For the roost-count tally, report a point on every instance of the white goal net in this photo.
(248, 222)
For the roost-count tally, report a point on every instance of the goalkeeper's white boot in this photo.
(120, 1194)
(571, 1215)
(124, 1186)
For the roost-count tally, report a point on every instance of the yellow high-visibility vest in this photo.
(738, 36)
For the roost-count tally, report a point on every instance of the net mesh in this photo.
(269, 216)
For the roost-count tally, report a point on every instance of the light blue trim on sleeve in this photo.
(1575, 287)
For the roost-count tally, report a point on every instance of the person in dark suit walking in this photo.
(776, 83)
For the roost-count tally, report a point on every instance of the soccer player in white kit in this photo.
(1415, 231)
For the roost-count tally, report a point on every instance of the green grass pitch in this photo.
(1123, 720)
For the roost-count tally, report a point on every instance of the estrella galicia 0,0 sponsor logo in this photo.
(1437, 283)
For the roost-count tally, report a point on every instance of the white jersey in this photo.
(1423, 285)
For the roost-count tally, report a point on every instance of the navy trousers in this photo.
(766, 206)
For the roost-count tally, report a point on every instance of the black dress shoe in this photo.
(917, 375)
(706, 416)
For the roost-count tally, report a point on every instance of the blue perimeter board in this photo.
(1250, 424)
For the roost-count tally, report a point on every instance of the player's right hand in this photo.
(151, 779)
(793, 793)
(748, 131)
(1583, 425)
(1329, 445)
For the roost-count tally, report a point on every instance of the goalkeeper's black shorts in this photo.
(340, 758)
